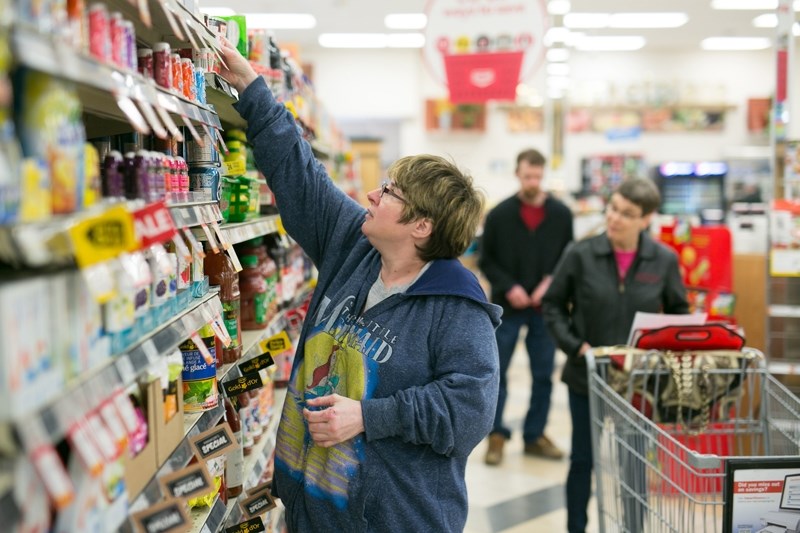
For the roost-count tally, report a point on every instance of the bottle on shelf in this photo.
(234, 463)
(253, 289)
(246, 420)
(220, 271)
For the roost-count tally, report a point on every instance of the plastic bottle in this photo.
(162, 65)
(113, 175)
(234, 465)
(253, 288)
(220, 271)
(246, 420)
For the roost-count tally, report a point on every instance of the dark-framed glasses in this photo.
(386, 189)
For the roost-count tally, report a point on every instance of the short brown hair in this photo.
(435, 188)
(532, 157)
(642, 192)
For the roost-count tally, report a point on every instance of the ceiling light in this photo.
(558, 7)
(745, 4)
(406, 21)
(648, 20)
(405, 40)
(556, 34)
(558, 69)
(770, 20)
(371, 40)
(555, 93)
(557, 54)
(586, 20)
(558, 82)
(735, 43)
(610, 43)
(218, 11)
(280, 21)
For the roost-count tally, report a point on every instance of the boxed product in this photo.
(140, 462)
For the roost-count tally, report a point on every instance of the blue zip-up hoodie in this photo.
(423, 363)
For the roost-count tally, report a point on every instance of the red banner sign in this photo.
(153, 224)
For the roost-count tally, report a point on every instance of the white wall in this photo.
(394, 85)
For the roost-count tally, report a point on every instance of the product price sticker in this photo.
(242, 384)
(209, 237)
(195, 134)
(187, 232)
(221, 331)
(209, 215)
(237, 265)
(103, 237)
(276, 344)
(194, 480)
(163, 107)
(213, 442)
(257, 505)
(257, 363)
(51, 471)
(201, 346)
(166, 517)
(181, 247)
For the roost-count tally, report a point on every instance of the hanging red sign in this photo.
(153, 224)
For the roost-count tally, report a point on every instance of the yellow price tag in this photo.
(233, 168)
(103, 237)
(276, 344)
(281, 229)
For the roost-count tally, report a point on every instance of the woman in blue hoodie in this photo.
(396, 372)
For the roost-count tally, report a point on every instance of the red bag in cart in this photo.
(687, 375)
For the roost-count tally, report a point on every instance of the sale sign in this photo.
(483, 48)
(153, 224)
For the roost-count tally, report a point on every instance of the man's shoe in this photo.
(494, 455)
(543, 447)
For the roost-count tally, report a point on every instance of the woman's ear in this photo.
(423, 228)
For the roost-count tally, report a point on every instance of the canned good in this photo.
(99, 32)
(206, 181)
(202, 155)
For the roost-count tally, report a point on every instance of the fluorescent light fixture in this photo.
(281, 21)
(556, 34)
(609, 43)
(371, 40)
(558, 82)
(558, 7)
(218, 11)
(764, 5)
(406, 21)
(555, 55)
(625, 20)
(770, 20)
(648, 20)
(405, 40)
(735, 43)
(558, 69)
(586, 20)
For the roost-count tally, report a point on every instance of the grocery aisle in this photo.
(523, 494)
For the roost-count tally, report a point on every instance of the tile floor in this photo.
(523, 494)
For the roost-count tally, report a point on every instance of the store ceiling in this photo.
(368, 15)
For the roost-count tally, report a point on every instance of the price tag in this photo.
(160, 104)
(152, 119)
(233, 168)
(221, 331)
(144, 12)
(195, 135)
(153, 224)
(210, 136)
(209, 216)
(257, 505)
(188, 32)
(196, 246)
(54, 476)
(242, 384)
(84, 446)
(126, 412)
(221, 139)
(237, 265)
(209, 237)
(103, 237)
(113, 422)
(213, 442)
(192, 481)
(254, 525)
(171, 19)
(276, 344)
(181, 247)
(102, 438)
(256, 363)
(133, 114)
(201, 346)
(166, 517)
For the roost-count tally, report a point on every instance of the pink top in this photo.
(624, 262)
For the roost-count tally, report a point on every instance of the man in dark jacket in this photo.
(596, 291)
(523, 238)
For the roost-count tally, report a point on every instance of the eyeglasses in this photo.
(627, 215)
(385, 189)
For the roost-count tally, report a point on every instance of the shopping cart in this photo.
(662, 470)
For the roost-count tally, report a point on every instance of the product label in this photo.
(245, 383)
(276, 344)
(258, 505)
(103, 237)
(195, 364)
(187, 483)
(214, 442)
(257, 363)
(230, 316)
(166, 517)
(253, 525)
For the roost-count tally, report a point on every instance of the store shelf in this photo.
(191, 214)
(51, 423)
(103, 86)
(784, 311)
(222, 96)
(209, 519)
(244, 231)
(783, 367)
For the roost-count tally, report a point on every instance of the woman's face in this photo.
(624, 220)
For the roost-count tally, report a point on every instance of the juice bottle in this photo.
(234, 464)
(220, 271)
(253, 294)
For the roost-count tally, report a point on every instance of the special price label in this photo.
(257, 363)
(166, 517)
(245, 383)
(257, 505)
(253, 525)
(191, 481)
(153, 224)
(213, 442)
(103, 237)
(276, 344)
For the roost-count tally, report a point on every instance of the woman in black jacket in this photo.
(598, 287)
